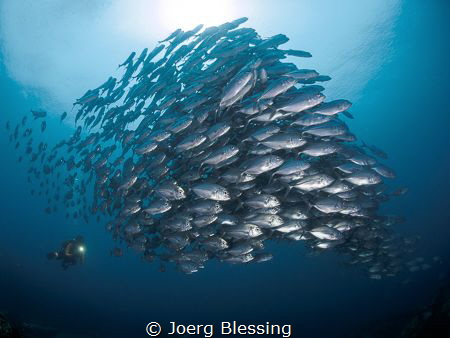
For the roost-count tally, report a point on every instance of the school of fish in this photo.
(208, 146)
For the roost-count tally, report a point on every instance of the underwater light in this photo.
(81, 249)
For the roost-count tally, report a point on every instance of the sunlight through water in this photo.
(188, 14)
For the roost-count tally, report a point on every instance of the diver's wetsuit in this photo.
(70, 253)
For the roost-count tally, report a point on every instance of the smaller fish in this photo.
(376, 151)
(327, 233)
(399, 191)
(297, 53)
(211, 191)
(39, 113)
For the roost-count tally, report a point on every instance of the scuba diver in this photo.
(71, 252)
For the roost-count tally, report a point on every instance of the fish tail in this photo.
(239, 206)
(288, 190)
(200, 168)
(246, 125)
(271, 178)
(216, 114)
(272, 112)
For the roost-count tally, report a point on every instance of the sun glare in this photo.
(186, 14)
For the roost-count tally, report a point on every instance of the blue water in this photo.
(403, 109)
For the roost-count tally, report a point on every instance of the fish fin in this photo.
(348, 114)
